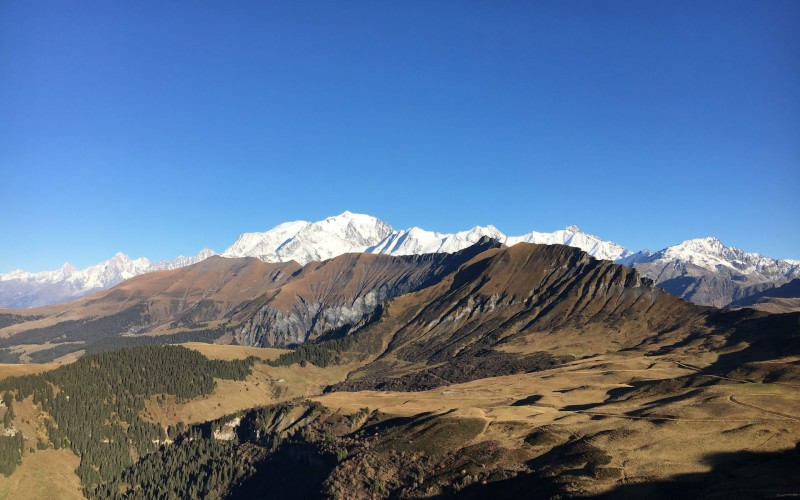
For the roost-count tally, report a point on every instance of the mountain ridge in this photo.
(705, 271)
(702, 270)
(246, 301)
(781, 299)
(21, 289)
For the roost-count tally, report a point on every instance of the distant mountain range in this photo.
(703, 271)
(21, 289)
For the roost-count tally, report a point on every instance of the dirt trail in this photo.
(555, 409)
(679, 419)
(698, 369)
(771, 412)
(739, 380)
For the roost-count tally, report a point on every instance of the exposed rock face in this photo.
(517, 309)
(228, 430)
(271, 326)
(340, 294)
(716, 288)
(782, 299)
(707, 272)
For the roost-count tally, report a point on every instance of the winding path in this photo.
(771, 412)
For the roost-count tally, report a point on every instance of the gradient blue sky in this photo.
(160, 127)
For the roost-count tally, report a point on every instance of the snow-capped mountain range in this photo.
(20, 289)
(703, 270)
(711, 254)
(304, 242)
(707, 272)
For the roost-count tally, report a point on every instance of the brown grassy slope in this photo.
(43, 475)
(776, 305)
(532, 291)
(531, 306)
(597, 425)
(16, 370)
(323, 296)
(340, 293)
(199, 293)
(528, 299)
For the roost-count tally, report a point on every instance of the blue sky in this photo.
(158, 128)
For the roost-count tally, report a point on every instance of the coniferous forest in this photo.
(10, 452)
(258, 457)
(94, 406)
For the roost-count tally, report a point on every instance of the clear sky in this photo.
(160, 127)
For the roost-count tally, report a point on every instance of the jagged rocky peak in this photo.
(205, 253)
(22, 290)
(488, 240)
(119, 257)
(711, 253)
(706, 271)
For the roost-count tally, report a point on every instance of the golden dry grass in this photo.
(45, 474)
(777, 305)
(230, 352)
(228, 397)
(26, 421)
(658, 436)
(13, 370)
(69, 358)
